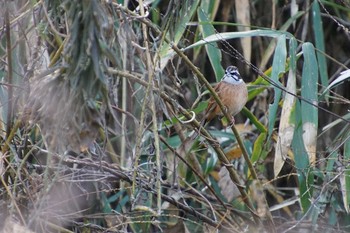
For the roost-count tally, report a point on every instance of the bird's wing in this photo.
(209, 112)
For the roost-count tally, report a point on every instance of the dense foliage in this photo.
(101, 103)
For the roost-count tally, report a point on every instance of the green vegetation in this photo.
(100, 99)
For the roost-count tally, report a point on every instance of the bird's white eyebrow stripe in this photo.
(236, 77)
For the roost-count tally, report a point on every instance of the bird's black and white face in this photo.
(232, 75)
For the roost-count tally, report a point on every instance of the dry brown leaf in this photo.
(310, 140)
(243, 128)
(294, 9)
(228, 189)
(215, 174)
(258, 197)
(234, 153)
(243, 17)
(286, 127)
(226, 12)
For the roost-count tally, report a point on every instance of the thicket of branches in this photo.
(99, 99)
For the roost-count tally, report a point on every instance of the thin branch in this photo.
(194, 171)
(150, 69)
(106, 167)
(221, 154)
(9, 71)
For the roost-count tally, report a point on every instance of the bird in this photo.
(233, 93)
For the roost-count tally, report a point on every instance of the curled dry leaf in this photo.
(286, 127)
(234, 153)
(259, 198)
(228, 189)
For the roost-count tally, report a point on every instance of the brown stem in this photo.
(9, 70)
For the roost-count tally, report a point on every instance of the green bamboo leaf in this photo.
(210, 7)
(3, 108)
(309, 91)
(337, 6)
(210, 163)
(301, 161)
(336, 122)
(345, 75)
(233, 35)
(287, 121)
(254, 120)
(213, 52)
(346, 189)
(259, 153)
(186, 14)
(260, 84)
(258, 147)
(293, 54)
(330, 162)
(319, 39)
(278, 67)
(271, 47)
(106, 207)
(332, 220)
(333, 152)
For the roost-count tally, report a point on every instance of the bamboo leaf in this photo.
(345, 179)
(232, 35)
(301, 161)
(269, 50)
(278, 67)
(3, 108)
(210, 7)
(186, 14)
(258, 147)
(213, 52)
(243, 18)
(287, 123)
(319, 39)
(294, 8)
(339, 80)
(309, 92)
(254, 120)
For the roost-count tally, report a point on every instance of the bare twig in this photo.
(234, 176)
(9, 71)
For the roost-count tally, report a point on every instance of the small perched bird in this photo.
(233, 93)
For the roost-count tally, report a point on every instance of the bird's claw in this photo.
(232, 122)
